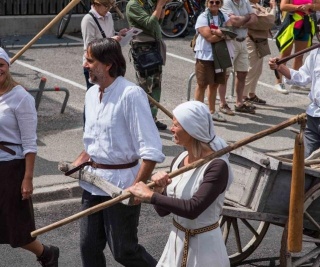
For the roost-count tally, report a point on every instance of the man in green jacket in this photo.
(147, 16)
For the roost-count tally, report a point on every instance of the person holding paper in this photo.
(99, 15)
(147, 16)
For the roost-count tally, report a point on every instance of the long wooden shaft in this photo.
(195, 164)
(164, 110)
(57, 18)
(285, 59)
(295, 221)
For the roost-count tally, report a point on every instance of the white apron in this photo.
(206, 249)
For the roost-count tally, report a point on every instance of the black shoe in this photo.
(160, 125)
(49, 257)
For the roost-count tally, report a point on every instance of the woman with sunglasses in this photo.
(90, 30)
(194, 198)
(207, 26)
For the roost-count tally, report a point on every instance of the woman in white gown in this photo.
(195, 198)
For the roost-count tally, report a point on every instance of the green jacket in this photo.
(139, 15)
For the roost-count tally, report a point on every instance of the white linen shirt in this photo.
(90, 30)
(119, 130)
(309, 72)
(18, 123)
(203, 48)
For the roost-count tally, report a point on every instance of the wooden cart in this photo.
(259, 196)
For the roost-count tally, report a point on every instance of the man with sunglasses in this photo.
(98, 14)
(147, 16)
(241, 16)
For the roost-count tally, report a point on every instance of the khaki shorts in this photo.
(241, 59)
(206, 75)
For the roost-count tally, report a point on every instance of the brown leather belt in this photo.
(102, 166)
(191, 232)
(7, 149)
(240, 39)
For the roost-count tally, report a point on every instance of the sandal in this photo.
(244, 109)
(226, 110)
(218, 117)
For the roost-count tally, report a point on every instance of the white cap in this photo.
(196, 120)
(4, 55)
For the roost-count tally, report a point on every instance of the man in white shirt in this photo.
(241, 16)
(119, 130)
(309, 72)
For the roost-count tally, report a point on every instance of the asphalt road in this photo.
(59, 139)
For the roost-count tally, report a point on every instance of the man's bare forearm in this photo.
(145, 171)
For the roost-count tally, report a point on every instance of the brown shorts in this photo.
(16, 215)
(205, 73)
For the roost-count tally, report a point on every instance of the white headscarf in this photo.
(196, 120)
(4, 55)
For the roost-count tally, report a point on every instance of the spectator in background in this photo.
(257, 34)
(241, 16)
(100, 10)
(298, 32)
(147, 16)
(206, 74)
(18, 148)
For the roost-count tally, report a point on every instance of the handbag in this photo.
(262, 46)
(147, 61)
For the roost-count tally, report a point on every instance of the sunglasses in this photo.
(215, 2)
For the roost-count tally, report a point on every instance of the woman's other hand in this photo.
(123, 32)
(26, 188)
(161, 179)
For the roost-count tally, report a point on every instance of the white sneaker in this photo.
(280, 87)
(300, 87)
(218, 117)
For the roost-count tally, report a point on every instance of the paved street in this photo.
(59, 139)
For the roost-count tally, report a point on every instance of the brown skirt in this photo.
(16, 215)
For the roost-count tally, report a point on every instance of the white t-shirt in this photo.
(203, 48)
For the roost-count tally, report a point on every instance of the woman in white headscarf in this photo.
(195, 197)
(18, 148)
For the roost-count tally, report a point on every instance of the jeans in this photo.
(116, 225)
(312, 135)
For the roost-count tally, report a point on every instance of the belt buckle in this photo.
(93, 164)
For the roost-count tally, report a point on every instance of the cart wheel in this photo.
(237, 231)
(311, 229)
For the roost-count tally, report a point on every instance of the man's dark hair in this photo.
(108, 51)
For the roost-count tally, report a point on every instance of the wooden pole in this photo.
(285, 59)
(164, 110)
(295, 221)
(57, 18)
(195, 164)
